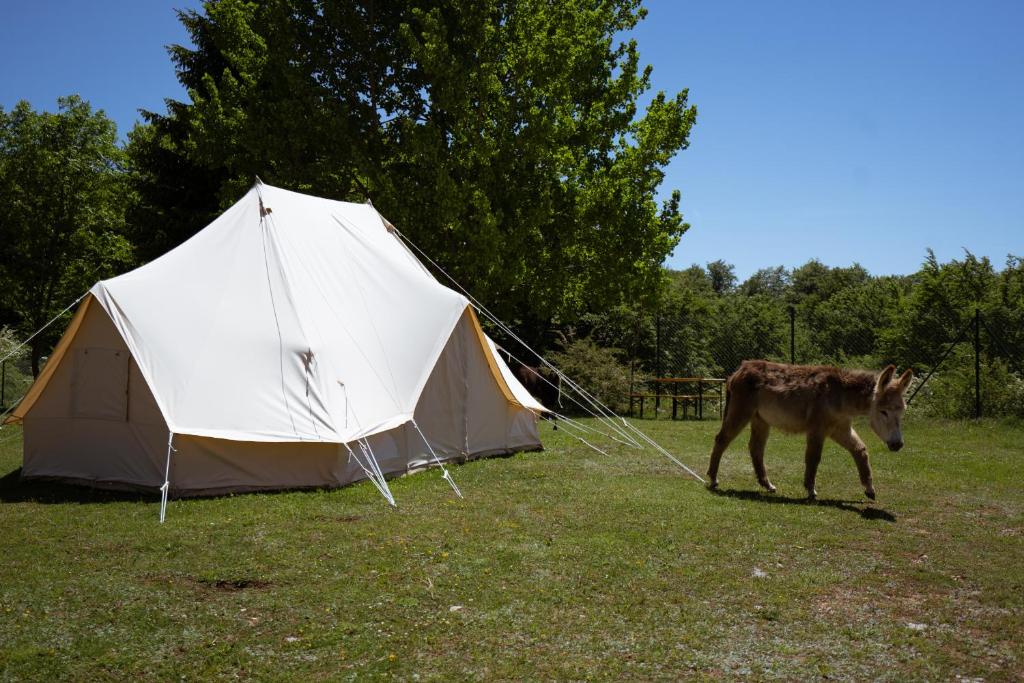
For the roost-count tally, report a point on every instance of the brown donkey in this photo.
(817, 400)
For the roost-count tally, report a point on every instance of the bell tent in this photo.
(293, 342)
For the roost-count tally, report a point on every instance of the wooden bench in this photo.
(709, 391)
(633, 398)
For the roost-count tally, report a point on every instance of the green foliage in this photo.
(503, 138)
(62, 227)
(747, 327)
(951, 391)
(703, 324)
(599, 370)
(16, 374)
(721, 276)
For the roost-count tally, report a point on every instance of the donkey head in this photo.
(887, 406)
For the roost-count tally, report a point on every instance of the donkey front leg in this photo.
(759, 430)
(737, 415)
(812, 456)
(845, 436)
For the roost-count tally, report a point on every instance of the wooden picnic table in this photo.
(707, 388)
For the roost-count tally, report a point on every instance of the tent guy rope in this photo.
(446, 476)
(607, 412)
(19, 347)
(167, 477)
(37, 332)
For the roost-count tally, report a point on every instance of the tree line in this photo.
(507, 139)
(704, 322)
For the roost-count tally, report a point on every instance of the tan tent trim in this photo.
(490, 359)
(51, 364)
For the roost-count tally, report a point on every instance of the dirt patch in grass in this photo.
(208, 583)
(233, 585)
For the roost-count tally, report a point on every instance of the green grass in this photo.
(565, 564)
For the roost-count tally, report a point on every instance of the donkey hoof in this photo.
(812, 494)
(870, 493)
(712, 484)
(768, 486)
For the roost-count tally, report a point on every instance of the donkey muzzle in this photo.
(894, 445)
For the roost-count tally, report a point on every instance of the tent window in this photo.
(99, 386)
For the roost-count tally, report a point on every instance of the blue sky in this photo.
(855, 132)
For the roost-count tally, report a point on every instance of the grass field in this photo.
(564, 564)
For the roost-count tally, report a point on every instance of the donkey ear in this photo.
(885, 377)
(904, 381)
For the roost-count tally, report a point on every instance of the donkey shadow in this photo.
(865, 510)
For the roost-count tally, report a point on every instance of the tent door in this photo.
(99, 385)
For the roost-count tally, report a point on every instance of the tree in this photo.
(62, 224)
(502, 137)
(722, 276)
(771, 281)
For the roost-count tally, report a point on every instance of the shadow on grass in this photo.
(864, 510)
(13, 489)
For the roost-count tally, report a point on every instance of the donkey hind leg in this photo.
(759, 430)
(736, 418)
(812, 456)
(846, 437)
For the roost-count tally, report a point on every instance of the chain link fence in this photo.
(968, 363)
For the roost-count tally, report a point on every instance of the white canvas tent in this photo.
(294, 342)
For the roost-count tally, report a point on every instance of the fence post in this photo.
(792, 333)
(657, 362)
(977, 363)
(632, 364)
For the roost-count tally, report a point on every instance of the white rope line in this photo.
(592, 430)
(345, 328)
(277, 240)
(446, 476)
(371, 457)
(301, 264)
(373, 472)
(11, 409)
(362, 297)
(671, 457)
(582, 392)
(17, 348)
(167, 477)
(37, 332)
(603, 420)
(364, 446)
(580, 438)
(501, 325)
(264, 228)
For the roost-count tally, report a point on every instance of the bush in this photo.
(950, 392)
(17, 377)
(598, 370)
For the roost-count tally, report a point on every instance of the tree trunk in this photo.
(37, 352)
